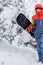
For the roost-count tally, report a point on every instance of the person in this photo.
(37, 21)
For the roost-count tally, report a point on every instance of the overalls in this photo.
(38, 34)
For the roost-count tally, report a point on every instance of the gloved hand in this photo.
(29, 28)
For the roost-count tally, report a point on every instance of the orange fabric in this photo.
(29, 28)
(38, 15)
(38, 6)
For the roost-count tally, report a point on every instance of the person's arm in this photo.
(34, 26)
(32, 22)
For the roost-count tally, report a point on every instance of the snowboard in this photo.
(24, 23)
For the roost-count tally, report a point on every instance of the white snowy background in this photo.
(13, 50)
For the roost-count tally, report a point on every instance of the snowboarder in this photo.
(37, 20)
(36, 27)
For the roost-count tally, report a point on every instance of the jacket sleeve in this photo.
(34, 26)
(32, 22)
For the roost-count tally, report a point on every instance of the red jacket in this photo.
(38, 16)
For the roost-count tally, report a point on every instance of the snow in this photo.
(10, 55)
(12, 48)
(9, 11)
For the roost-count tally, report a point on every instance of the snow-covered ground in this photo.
(10, 55)
(12, 49)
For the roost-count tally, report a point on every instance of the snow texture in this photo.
(12, 36)
(17, 56)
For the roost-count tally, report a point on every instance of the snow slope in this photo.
(10, 55)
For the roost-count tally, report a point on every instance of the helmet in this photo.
(38, 6)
